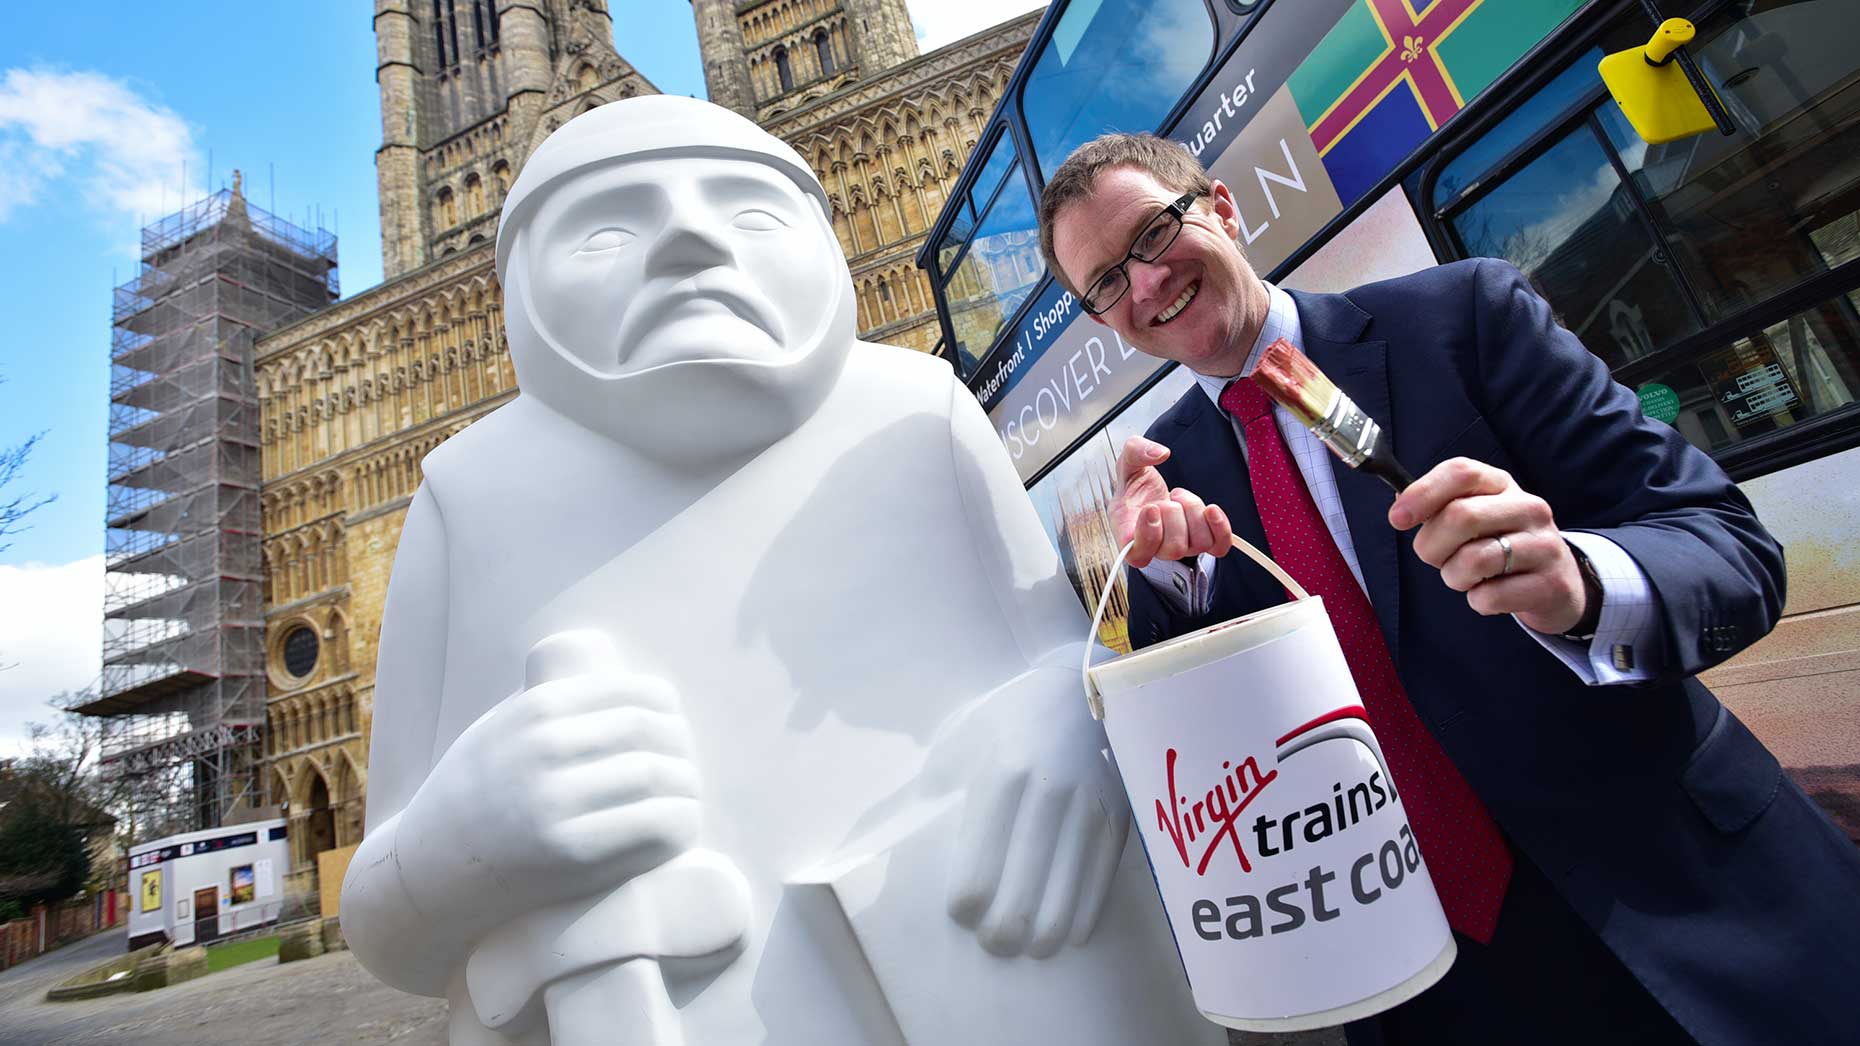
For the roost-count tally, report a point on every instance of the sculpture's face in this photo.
(660, 261)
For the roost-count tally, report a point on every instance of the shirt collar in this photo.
(1281, 322)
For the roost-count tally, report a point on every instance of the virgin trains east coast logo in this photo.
(1206, 823)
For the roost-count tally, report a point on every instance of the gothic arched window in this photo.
(452, 29)
(783, 69)
(825, 51)
(439, 33)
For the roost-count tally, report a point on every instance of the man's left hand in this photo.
(1464, 507)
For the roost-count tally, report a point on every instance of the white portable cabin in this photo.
(198, 886)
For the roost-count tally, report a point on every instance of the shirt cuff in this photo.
(1187, 589)
(1627, 642)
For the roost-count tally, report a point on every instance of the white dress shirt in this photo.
(1627, 640)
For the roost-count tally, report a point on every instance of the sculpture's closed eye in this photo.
(757, 220)
(606, 240)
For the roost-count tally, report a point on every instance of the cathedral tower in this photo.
(726, 62)
(468, 87)
(771, 57)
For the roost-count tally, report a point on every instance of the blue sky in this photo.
(283, 91)
(113, 113)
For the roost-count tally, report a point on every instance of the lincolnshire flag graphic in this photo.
(1387, 76)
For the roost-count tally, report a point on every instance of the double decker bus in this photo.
(1718, 275)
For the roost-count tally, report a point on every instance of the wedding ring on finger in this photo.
(1504, 545)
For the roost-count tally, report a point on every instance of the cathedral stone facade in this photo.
(353, 397)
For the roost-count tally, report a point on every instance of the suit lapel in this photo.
(1332, 328)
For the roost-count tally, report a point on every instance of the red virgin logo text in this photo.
(1209, 821)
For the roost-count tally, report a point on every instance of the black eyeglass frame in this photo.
(1175, 211)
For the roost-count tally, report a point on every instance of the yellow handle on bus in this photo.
(1653, 92)
(1673, 34)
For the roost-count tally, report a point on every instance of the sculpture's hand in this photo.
(575, 785)
(1044, 824)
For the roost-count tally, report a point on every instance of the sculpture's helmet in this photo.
(638, 129)
(665, 259)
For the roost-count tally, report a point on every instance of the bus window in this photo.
(1773, 377)
(1000, 269)
(1539, 111)
(1565, 220)
(1670, 261)
(1000, 158)
(956, 236)
(1744, 212)
(1112, 65)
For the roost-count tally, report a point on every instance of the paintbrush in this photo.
(1295, 383)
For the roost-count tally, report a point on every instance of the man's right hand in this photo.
(570, 787)
(1165, 523)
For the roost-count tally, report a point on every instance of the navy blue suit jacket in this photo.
(1654, 812)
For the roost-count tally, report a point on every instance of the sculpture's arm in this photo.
(567, 788)
(1037, 602)
(403, 942)
(1045, 817)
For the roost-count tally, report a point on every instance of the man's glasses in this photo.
(1147, 247)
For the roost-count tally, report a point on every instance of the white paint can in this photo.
(1278, 841)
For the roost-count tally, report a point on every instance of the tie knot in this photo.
(1245, 400)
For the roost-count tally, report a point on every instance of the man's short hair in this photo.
(1168, 162)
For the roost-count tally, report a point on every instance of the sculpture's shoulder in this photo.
(485, 445)
(901, 379)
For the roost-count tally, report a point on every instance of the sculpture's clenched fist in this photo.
(582, 781)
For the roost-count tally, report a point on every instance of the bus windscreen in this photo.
(1112, 65)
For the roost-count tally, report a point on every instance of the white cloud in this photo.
(122, 154)
(51, 635)
(940, 22)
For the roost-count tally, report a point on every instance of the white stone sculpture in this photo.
(728, 689)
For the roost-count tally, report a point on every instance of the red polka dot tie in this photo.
(1467, 857)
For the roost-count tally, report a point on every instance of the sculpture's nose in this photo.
(691, 241)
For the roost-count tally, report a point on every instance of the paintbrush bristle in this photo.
(1294, 382)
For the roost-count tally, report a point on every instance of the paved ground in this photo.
(326, 1001)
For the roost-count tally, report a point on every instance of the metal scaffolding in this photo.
(183, 631)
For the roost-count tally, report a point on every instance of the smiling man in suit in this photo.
(1620, 858)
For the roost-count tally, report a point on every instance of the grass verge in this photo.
(225, 956)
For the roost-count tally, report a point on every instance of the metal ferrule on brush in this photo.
(1347, 431)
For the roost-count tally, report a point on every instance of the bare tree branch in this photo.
(12, 459)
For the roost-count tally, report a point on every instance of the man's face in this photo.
(663, 261)
(1221, 302)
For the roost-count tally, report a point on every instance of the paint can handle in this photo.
(1092, 697)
